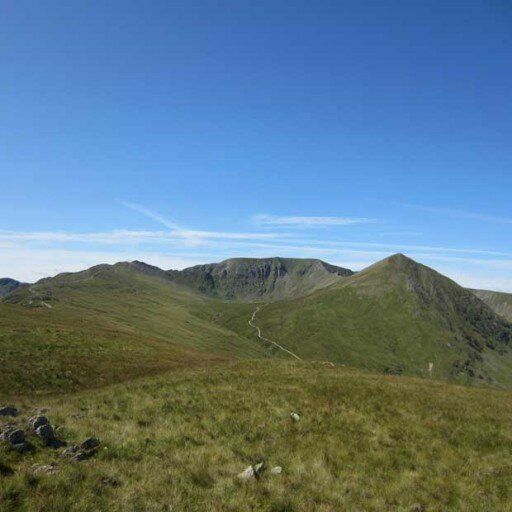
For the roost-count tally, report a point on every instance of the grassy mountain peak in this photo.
(397, 316)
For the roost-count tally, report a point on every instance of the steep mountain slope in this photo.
(106, 324)
(499, 302)
(399, 317)
(250, 279)
(8, 285)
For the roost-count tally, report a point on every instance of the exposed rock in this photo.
(252, 472)
(247, 474)
(276, 470)
(259, 468)
(90, 443)
(46, 434)
(295, 416)
(110, 481)
(13, 436)
(47, 469)
(82, 455)
(71, 450)
(78, 453)
(38, 421)
(23, 447)
(9, 411)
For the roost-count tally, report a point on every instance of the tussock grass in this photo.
(364, 443)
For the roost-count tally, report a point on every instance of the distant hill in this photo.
(396, 316)
(250, 279)
(115, 322)
(107, 324)
(500, 302)
(8, 285)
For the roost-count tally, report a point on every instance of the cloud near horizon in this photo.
(29, 256)
(460, 214)
(263, 219)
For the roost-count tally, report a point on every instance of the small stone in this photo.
(247, 474)
(90, 443)
(295, 416)
(45, 432)
(9, 411)
(259, 468)
(40, 468)
(71, 450)
(418, 507)
(81, 455)
(14, 436)
(23, 447)
(38, 421)
(110, 481)
(276, 470)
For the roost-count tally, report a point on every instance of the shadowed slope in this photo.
(8, 285)
(500, 302)
(250, 279)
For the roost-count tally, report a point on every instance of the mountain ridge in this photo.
(396, 316)
(251, 279)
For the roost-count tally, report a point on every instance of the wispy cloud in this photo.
(151, 214)
(195, 237)
(461, 214)
(301, 221)
(30, 255)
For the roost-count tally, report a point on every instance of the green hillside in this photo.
(397, 317)
(178, 441)
(249, 279)
(500, 302)
(115, 322)
(106, 324)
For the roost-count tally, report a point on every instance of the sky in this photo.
(185, 132)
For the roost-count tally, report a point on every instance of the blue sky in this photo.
(181, 132)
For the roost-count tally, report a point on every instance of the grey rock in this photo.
(90, 443)
(276, 470)
(252, 472)
(71, 450)
(247, 474)
(13, 435)
(82, 455)
(23, 447)
(295, 417)
(46, 434)
(9, 411)
(44, 468)
(38, 421)
(259, 468)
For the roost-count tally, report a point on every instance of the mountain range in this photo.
(114, 322)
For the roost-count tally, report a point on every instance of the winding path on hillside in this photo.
(258, 330)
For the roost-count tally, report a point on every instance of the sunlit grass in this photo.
(364, 442)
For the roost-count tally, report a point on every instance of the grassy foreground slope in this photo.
(500, 302)
(399, 317)
(107, 324)
(364, 443)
